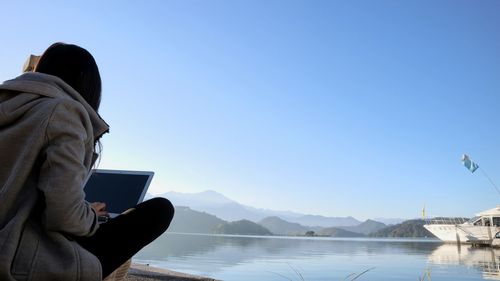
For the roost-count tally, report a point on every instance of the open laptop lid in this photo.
(120, 190)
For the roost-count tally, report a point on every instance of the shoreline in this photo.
(145, 272)
(296, 237)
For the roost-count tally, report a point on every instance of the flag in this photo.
(469, 164)
(423, 213)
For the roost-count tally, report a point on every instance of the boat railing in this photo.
(452, 221)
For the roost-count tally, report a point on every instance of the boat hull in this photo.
(462, 233)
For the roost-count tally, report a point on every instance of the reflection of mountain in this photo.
(185, 252)
(485, 259)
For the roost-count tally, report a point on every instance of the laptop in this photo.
(120, 190)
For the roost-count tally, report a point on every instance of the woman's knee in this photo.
(165, 206)
(162, 211)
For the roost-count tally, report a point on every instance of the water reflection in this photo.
(243, 258)
(485, 259)
(185, 245)
(210, 254)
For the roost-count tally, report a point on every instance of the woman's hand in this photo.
(99, 208)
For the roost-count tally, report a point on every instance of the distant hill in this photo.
(282, 227)
(409, 228)
(205, 198)
(243, 227)
(314, 220)
(365, 227)
(338, 232)
(217, 204)
(190, 221)
(214, 203)
(389, 221)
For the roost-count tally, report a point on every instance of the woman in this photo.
(49, 129)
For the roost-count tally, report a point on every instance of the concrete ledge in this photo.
(141, 272)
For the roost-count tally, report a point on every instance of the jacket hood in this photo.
(51, 86)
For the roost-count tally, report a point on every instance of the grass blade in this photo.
(357, 276)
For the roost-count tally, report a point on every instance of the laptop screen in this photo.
(119, 190)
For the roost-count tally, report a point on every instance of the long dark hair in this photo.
(75, 66)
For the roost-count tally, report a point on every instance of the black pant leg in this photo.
(120, 238)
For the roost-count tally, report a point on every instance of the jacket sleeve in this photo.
(63, 171)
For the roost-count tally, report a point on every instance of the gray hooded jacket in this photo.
(47, 134)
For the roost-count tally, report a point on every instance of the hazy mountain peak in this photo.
(208, 197)
(389, 221)
(215, 196)
(318, 220)
(370, 221)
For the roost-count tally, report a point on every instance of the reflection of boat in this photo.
(485, 259)
(479, 230)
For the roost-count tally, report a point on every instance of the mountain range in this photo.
(409, 228)
(187, 220)
(191, 221)
(282, 227)
(366, 227)
(229, 210)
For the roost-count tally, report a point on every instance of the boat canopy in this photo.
(491, 212)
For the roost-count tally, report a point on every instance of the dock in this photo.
(480, 243)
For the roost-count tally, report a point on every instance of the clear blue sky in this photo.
(336, 108)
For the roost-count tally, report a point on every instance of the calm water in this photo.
(277, 258)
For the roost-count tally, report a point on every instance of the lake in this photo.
(246, 258)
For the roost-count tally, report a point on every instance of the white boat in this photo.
(481, 229)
